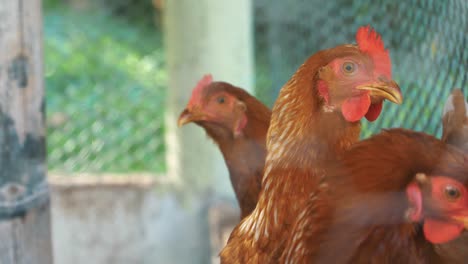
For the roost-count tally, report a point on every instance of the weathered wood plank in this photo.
(26, 239)
(24, 199)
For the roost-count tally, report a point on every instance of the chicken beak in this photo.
(463, 219)
(185, 117)
(388, 90)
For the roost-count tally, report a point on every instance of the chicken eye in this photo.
(451, 192)
(349, 67)
(221, 99)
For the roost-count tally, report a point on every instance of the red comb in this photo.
(197, 91)
(370, 42)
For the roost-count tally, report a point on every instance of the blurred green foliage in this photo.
(105, 85)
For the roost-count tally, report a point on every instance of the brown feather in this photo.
(455, 121)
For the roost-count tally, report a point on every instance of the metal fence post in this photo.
(24, 196)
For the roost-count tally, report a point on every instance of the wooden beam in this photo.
(24, 196)
(26, 239)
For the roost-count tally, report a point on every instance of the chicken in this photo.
(392, 198)
(315, 118)
(455, 120)
(455, 132)
(238, 124)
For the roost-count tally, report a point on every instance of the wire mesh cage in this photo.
(95, 120)
(427, 42)
(105, 81)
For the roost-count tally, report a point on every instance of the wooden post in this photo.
(24, 196)
(205, 36)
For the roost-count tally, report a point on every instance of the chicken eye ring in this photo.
(452, 193)
(220, 99)
(349, 68)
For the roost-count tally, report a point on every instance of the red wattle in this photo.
(374, 111)
(438, 232)
(355, 108)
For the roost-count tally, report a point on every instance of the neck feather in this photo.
(302, 130)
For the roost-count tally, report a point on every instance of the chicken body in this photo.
(455, 133)
(238, 124)
(367, 218)
(455, 120)
(314, 120)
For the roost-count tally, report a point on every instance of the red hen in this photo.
(315, 118)
(238, 124)
(393, 198)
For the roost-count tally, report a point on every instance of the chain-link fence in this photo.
(105, 81)
(106, 77)
(427, 40)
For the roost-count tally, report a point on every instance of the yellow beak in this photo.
(185, 117)
(462, 219)
(188, 116)
(388, 90)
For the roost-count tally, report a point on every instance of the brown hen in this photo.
(238, 124)
(315, 118)
(393, 198)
